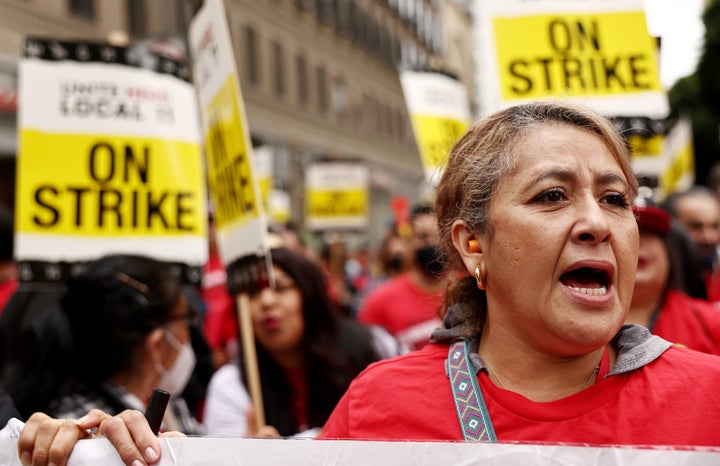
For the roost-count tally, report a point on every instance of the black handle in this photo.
(156, 409)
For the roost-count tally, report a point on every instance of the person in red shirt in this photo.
(220, 326)
(535, 208)
(698, 211)
(307, 354)
(666, 277)
(8, 269)
(407, 306)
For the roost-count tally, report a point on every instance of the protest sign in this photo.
(679, 172)
(262, 160)
(234, 190)
(439, 111)
(337, 195)
(109, 158)
(596, 51)
(279, 206)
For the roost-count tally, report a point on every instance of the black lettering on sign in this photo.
(78, 192)
(566, 36)
(103, 161)
(109, 200)
(335, 203)
(234, 189)
(579, 63)
(231, 181)
(119, 196)
(41, 198)
(99, 208)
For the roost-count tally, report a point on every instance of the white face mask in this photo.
(175, 379)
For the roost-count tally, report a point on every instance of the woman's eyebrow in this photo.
(554, 174)
(566, 174)
(610, 178)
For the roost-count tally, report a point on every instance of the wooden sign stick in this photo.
(252, 373)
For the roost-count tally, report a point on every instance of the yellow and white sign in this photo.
(234, 189)
(679, 172)
(279, 206)
(262, 159)
(109, 161)
(440, 113)
(336, 195)
(596, 51)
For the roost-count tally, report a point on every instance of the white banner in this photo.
(194, 451)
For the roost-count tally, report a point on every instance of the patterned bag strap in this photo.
(469, 403)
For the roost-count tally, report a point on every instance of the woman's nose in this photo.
(267, 296)
(593, 225)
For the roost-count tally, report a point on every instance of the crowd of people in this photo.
(576, 310)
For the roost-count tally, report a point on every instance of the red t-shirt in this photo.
(7, 288)
(690, 322)
(674, 400)
(407, 312)
(712, 285)
(220, 326)
(296, 378)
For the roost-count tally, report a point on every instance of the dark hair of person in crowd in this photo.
(136, 294)
(96, 333)
(6, 234)
(421, 209)
(483, 157)
(671, 203)
(684, 260)
(335, 350)
(390, 260)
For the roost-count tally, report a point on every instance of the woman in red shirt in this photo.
(668, 285)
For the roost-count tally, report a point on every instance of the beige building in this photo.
(319, 77)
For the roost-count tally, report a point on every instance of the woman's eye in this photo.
(554, 195)
(617, 199)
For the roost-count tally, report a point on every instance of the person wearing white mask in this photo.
(129, 329)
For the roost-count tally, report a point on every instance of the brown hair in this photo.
(484, 156)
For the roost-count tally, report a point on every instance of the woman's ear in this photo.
(467, 243)
(154, 345)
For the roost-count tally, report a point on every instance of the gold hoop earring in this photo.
(479, 278)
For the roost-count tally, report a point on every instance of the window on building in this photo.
(251, 55)
(83, 8)
(278, 60)
(136, 16)
(339, 98)
(338, 14)
(302, 79)
(371, 114)
(322, 88)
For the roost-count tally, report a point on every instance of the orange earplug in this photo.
(474, 245)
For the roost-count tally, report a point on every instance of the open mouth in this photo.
(587, 280)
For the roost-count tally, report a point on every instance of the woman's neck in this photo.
(288, 359)
(538, 376)
(138, 384)
(642, 308)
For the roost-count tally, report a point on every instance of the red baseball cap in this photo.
(651, 218)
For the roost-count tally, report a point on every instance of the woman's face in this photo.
(653, 268)
(277, 315)
(561, 263)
